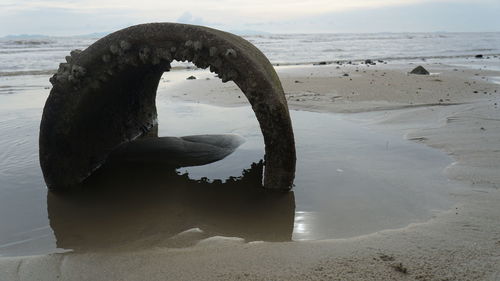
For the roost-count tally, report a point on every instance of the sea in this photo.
(30, 55)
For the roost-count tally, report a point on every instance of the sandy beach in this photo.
(454, 110)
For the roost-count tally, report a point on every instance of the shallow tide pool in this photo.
(351, 180)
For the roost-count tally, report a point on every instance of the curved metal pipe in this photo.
(105, 95)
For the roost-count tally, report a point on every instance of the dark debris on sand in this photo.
(420, 70)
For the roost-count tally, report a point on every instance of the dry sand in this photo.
(441, 110)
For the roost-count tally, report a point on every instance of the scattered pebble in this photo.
(385, 257)
(400, 268)
(191, 78)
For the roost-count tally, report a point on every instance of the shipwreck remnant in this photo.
(104, 96)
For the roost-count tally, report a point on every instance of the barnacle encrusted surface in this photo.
(104, 96)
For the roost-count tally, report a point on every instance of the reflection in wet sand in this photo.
(177, 152)
(127, 205)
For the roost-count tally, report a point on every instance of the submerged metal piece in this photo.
(104, 96)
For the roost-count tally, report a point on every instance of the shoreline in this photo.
(183, 66)
(462, 243)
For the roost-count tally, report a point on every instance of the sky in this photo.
(75, 17)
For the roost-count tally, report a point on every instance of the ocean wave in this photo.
(395, 58)
(432, 57)
(31, 42)
(27, 72)
(10, 90)
(332, 50)
(31, 50)
(273, 37)
(481, 50)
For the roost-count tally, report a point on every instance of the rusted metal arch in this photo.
(105, 95)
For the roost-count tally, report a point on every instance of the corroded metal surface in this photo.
(104, 96)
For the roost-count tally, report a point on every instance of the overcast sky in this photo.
(72, 17)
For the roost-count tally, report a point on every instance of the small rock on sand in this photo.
(400, 268)
(420, 70)
(191, 78)
(479, 56)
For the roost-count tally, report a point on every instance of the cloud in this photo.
(65, 17)
(188, 18)
(57, 21)
(454, 16)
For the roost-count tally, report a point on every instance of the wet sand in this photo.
(441, 111)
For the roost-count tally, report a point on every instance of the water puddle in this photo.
(350, 181)
(495, 79)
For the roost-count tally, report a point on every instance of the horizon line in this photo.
(251, 32)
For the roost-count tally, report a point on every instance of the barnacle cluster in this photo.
(123, 54)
